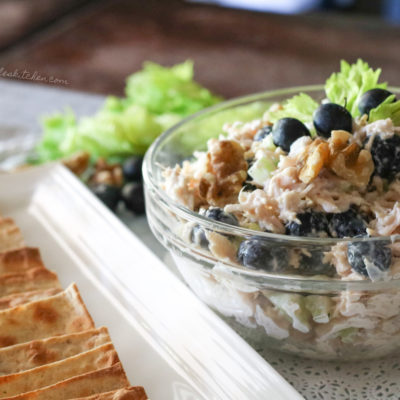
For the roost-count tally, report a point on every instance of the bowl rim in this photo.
(149, 164)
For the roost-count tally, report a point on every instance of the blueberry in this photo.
(347, 224)
(329, 117)
(108, 194)
(386, 156)
(371, 99)
(250, 162)
(312, 263)
(288, 130)
(198, 235)
(132, 169)
(218, 214)
(249, 187)
(257, 253)
(312, 224)
(262, 133)
(363, 254)
(133, 197)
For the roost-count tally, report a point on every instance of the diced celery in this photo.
(293, 306)
(261, 170)
(268, 143)
(348, 335)
(319, 307)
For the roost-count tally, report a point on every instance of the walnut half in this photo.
(110, 174)
(318, 155)
(226, 170)
(77, 162)
(354, 165)
(347, 161)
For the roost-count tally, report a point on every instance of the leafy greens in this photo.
(344, 88)
(389, 108)
(156, 98)
(301, 106)
(347, 86)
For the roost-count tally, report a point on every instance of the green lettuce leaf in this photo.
(156, 98)
(113, 134)
(168, 90)
(55, 129)
(301, 106)
(347, 86)
(167, 120)
(387, 109)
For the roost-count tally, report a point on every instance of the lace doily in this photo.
(330, 380)
(361, 380)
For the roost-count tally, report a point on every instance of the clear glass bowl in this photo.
(315, 316)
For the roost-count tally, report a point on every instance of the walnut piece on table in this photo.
(77, 162)
(110, 174)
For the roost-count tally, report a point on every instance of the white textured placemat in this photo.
(21, 105)
(322, 380)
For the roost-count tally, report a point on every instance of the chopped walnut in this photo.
(226, 170)
(347, 161)
(110, 174)
(354, 165)
(77, 162)
(317, 157)
(338, 140)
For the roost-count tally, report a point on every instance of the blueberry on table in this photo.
(371, 99)
(312, 224)
(286, 131)
(386, 156)
(347, 224)
(108, 194)
(133, 197)
(257, 253)
(132, 169)
(331, 117)
(262, 133)
(369, 256)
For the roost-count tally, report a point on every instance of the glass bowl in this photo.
(309, 316)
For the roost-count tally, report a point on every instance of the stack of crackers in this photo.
(50, 348)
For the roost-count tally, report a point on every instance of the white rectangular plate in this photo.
(169, 342)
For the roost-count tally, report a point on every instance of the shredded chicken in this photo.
(261, 208)
(243, 133)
